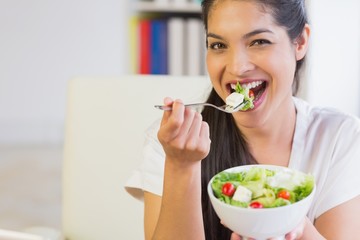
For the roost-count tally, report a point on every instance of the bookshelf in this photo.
(170, 7)
(167, 37)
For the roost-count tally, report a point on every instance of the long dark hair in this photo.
(228, 145)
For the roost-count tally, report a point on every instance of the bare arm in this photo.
(178, 213)
(172, 214)
(341, 222)
(152, 206)
(181, 213)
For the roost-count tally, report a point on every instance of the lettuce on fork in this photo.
(247, 100)
(240, 99)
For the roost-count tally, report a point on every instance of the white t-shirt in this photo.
(326, 144)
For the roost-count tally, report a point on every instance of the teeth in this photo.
(248, 85)
(252, 84)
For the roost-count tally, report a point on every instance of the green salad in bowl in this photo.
(261, 201)
(262, 187)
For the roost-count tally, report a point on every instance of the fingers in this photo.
(297, 232)
(166, 114)
(205, 134)
(168, 101)
(183, 130)
(172, 120)
(291, 236)
(182, 123)
(190, 124)
(186, 129)
(234, 236)
(192, 128)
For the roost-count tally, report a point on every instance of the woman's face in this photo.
(246, 45)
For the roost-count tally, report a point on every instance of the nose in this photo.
(239, 62)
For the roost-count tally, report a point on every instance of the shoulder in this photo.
(328, 132)
(326, 118)
(329, 142)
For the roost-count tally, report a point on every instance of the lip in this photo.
(260, 100)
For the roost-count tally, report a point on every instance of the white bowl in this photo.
(260, 223)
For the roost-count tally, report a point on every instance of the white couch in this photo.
(105, 122)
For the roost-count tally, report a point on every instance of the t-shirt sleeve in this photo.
(149, 175)
(343, 178)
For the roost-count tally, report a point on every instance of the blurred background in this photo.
(43, 44)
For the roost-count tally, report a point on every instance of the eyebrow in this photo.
(246, 36)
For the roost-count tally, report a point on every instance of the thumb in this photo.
(166, 114)
(168, 101)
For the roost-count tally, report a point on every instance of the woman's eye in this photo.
(260, 42)
(216, 46)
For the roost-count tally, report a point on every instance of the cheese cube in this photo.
(242, 194)
(234, 99)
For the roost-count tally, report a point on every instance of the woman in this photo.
(262, 43)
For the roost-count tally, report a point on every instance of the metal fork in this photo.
(224, 108)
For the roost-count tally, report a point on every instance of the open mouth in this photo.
(257, 88)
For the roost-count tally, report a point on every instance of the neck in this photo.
(271, 142)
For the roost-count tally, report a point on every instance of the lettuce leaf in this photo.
(304, 190)
(267, 199)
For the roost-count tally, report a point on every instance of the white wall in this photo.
(45, 43)
(334, 60)
(42, 45)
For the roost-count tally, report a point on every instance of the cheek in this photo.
(210, 63)
(283, 68)
(214, 68)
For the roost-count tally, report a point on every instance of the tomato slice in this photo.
(251, 94)
(256, 205)
(284, 194)
(228, 189)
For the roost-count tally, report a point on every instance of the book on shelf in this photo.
(194, 45)
(176, 2)
(203, 50)
(161, 2)
(159, 46)
(173, 45)
(180, 2)
(134, 43)
(144, 46)
(176, 40)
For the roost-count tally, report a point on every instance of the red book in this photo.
(145, 46)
